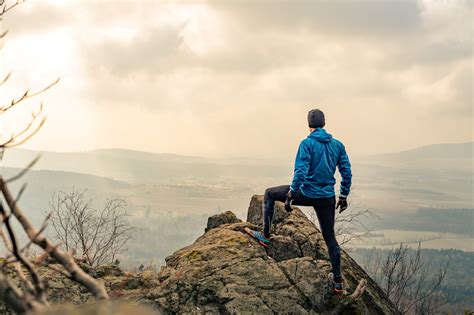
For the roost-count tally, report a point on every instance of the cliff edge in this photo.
(225, 271)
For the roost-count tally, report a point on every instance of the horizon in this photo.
(239, 156)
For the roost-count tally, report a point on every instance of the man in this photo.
(313, 185)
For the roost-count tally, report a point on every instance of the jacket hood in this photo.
(321, 135)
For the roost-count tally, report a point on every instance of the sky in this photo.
(237, 78)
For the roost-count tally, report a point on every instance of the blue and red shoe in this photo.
(337, 287)
(258, 236)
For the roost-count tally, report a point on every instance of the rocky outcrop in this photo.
(226, 272)
(220, 219)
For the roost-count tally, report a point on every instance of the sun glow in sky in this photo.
(237, 78)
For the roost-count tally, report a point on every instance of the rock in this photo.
(283, 248)
(220, 219)
(255, 212)
(305, 275)
(225, 271)
(293, 234)
(98, 308)
(108, 270)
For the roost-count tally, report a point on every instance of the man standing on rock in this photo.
(313, 185)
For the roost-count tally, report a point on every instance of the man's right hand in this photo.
(289, 200)
(342, 203)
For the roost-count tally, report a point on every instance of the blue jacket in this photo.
(316, 161)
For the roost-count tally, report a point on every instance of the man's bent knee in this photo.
(268, 193)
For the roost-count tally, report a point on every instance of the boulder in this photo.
(220, 219)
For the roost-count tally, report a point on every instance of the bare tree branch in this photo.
(29, 131)
(26, 95)
(6, 8)
(407, 280)
(97, 235)
(96, 288)
(33, 298)
(23, 172)
(37, 283)
(40, 231)
(12, 296)
(23, 278)
(5, 79)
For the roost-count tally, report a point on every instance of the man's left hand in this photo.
(342, 203)
(289, 200)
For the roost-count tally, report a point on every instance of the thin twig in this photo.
(27, 95)
(6, 8)
(24, 171)
(14, 142)
(5, 79)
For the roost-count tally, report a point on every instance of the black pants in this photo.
(325, 210)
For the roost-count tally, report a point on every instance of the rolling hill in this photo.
(143, 167)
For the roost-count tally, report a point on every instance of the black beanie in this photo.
(316, 119)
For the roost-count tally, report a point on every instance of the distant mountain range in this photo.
(42, 184)
(437, 151)
(143, 167)
(446, 156)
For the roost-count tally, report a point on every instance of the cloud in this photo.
(234, 75)
(350, 18)
(259, 37)
(152, 51)
(34, 17)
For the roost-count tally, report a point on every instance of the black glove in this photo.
(289, 200)
(342, 203)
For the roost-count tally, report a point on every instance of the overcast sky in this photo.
(237, 78)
